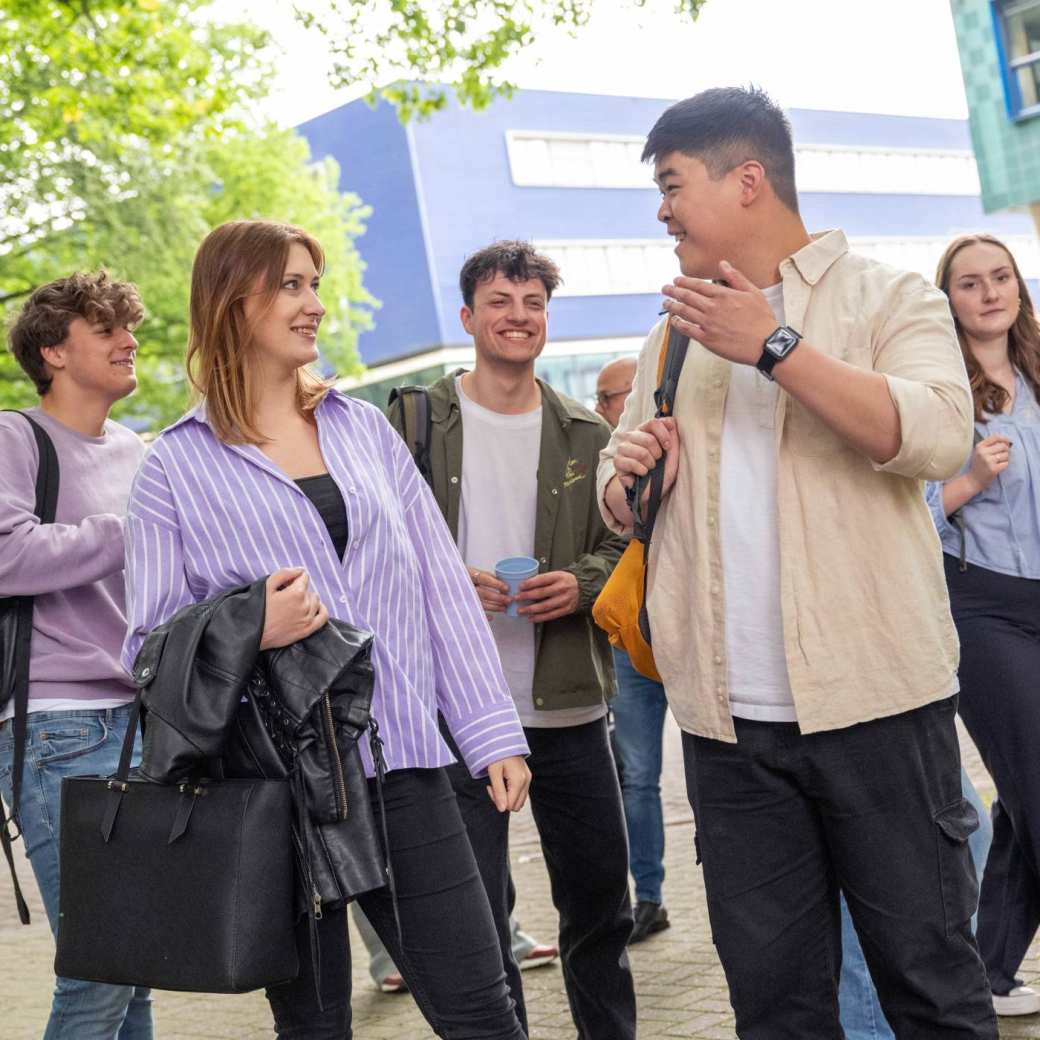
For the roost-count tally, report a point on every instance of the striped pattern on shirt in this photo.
(206, 516)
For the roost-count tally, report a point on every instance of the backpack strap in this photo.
(417, 423)
(669, 368)
(45, 508)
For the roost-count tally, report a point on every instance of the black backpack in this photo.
(416, 424)
(16, 617)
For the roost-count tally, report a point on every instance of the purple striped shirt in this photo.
(205, 516)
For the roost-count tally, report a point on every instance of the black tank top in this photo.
(328, 500)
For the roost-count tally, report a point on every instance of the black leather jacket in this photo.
(217, 706)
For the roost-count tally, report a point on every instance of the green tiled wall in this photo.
(1008, 153)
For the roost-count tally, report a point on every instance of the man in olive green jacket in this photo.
(524, 486)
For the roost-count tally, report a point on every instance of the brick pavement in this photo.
(680, 986)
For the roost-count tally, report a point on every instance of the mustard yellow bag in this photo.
(620, 608)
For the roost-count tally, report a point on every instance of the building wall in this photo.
(375, 155)
(563, 170)
(1007, 150)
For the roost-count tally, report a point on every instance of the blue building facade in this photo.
(563, 171)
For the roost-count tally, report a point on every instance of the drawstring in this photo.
(376, 744)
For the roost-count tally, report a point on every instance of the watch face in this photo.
(781, 342)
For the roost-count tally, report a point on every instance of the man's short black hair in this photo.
(518, 261)
(726, 126)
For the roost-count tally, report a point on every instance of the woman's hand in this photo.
(990, 458)
(293, 610)
(510, 779)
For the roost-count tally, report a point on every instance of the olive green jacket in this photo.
(573, 666)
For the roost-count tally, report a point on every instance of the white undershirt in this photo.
(759, 687)
(497, 519)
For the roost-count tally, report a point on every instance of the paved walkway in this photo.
(680, 985)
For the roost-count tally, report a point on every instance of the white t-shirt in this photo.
(759, 687)
(497, 519)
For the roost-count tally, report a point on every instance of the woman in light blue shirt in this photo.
(988, 518)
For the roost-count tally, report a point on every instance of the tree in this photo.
(89, 86)
(463, 43)
(151, 234)
(122, 142)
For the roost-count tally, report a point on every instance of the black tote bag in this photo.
(180, 887)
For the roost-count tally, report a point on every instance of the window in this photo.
(571, 160)
(1017, 25)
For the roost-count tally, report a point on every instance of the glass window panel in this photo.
(1028, 77)
(1022, 22)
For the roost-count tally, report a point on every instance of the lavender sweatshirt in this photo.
(73, 567)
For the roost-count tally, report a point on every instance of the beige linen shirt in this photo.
(866, 617)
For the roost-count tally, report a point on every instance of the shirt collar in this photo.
(814, 260)
(198, 412)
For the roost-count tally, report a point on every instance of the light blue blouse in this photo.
(1002, 523)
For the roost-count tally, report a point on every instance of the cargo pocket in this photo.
(960, 888)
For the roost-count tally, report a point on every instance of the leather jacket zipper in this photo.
(337, 765)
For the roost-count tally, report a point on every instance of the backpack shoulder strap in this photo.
(669, 368)
(47, 481)
(417, 425)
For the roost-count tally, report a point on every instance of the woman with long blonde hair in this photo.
(988, 519)
(276, 474)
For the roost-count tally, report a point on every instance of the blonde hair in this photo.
(1023, 336)
(232, 262)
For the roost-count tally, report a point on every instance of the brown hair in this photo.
(45, 318)
(518, 261)
(236, 260)
(1023, 336)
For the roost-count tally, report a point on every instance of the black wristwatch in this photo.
(776, 348)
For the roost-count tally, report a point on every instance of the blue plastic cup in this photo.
(513, 570)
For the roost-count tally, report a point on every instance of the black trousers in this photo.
(576, 803)
(784, 821)
(998, 621)
(450, 957)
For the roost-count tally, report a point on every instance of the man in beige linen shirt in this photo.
(797, 601)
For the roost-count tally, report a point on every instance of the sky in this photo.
(891, 56)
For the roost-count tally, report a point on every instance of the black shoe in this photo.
(649, 918)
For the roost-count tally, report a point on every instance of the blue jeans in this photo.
(861, 1014)
(60, 744)
(639, 709)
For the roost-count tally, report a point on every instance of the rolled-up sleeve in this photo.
(917, 352)
(639, 407)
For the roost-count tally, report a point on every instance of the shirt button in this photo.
(543, 560)
(714, 590)
(356, 543)
(454, 480)
(343, 599)
(353, 490)
(555, 492)
(718, 660)
(718, 382)
(539, 701)
(711, 520)
(720, 689)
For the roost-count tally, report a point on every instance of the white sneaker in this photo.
(1022, 1000)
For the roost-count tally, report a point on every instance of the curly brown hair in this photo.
(1023, 336)
(518, 261)
(45, 318)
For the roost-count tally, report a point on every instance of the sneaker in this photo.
(539, 956)
(1022, 1000)
(649, 918)
(393, 983)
